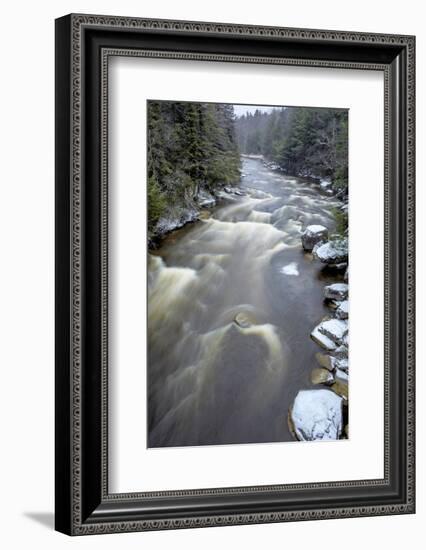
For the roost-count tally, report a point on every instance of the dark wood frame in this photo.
(83, 46)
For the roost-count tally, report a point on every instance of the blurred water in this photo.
(210, 380)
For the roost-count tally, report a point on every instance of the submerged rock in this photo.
(332, 252)
(313, 235)
(317, 415)
(234, 191)
(321, 376)
(342, 312)
(243, 320)
(336, 291)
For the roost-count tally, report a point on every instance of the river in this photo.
(211, 380)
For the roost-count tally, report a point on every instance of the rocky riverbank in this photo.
(190, 211)
(322, 414)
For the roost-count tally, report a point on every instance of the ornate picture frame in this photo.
(84, 44)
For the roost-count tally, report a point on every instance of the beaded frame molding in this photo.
(84, 44)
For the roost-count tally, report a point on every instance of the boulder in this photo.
(205, 199)
(340, 388)
(336, 291)
(334, 329)
(321, 376)
(313, 235)
(317, 415)
(325, 185)
(341, 352)
(332, 252)
(326, 361)
(342, 312)
(341, 376)
(322, 340)
(340, 364)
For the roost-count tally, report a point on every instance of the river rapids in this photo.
(232, 300)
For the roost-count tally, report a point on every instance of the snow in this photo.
(315, 229)
(342, 312)
(317, 415)
(332, 251)
(322, 339)
(340, 364)
(290, 269)
(313, 235)
(336, 291)
(334, 329)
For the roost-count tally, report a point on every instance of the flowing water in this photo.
(214, 381)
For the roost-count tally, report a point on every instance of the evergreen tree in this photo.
(191, 147)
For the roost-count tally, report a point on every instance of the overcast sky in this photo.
(243, 109)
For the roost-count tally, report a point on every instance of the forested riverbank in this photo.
(301, 141)
(192, 155)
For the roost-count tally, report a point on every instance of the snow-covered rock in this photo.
(340, 364)
(313, 235)
(322, 339)
(233, 191)
(336, 291)
(341, 352)
(341, 375)
(326, 361)
(342, 312)
(332, 252)
(317, 415)
(334, 329)
(175, 220)
(205, 199)
(325, 185)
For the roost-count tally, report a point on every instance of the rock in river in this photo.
(323, 340)
(341, 352)
(322, 376)
(205, 199)
(340, 387)
(244, 319)
(313, 235)
(330, 333)
(342, 312)
(340, 364)
(317, 415)
(325, 361)
(336, 291)
(332, 252)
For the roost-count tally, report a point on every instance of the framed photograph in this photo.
(234, 253)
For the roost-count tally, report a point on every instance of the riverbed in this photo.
(232, 300)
